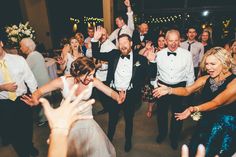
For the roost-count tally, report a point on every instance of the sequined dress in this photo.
(217, 129)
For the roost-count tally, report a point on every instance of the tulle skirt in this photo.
(87, 139)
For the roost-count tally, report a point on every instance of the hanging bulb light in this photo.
(75, 27)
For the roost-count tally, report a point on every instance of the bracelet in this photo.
(196, 109)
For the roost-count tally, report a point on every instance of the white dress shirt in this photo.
(101, 73)
(175, 69)
(126, 29)
(20, 74)
(123, 73)
(89, 49)
(141, 37)
(197, 50)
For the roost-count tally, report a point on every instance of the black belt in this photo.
(180, 84)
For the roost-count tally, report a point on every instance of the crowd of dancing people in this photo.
(124, 66)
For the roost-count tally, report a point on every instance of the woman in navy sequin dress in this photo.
(217, 126)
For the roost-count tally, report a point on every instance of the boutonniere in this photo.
(137, 64)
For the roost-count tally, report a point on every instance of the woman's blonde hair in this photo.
(221, 54)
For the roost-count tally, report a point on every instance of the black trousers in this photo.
(16, 123)
(128, 107)
(176, 104)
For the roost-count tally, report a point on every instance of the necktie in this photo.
(189, 46)
(171, 53)
(122, 56)
(119, 32)
(7, 78)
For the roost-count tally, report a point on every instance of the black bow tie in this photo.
(171, 53)
(122, 56)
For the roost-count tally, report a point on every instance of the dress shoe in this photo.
(34, 152)
(102, 111)
(160, 139)
(128, 146)
(174, 145)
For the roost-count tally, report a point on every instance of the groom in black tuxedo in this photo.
(126, 71)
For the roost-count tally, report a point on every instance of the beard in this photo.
(125, 50)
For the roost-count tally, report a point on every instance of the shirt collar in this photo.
(168, 50)
(191, 42)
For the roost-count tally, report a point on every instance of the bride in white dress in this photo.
(86, 138)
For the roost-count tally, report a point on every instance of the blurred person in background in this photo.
(37, 65)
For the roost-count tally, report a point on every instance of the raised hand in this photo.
(149, 45)
(151, 56)
(127, 3)
(60, 60)
(97, 33)
(64, 116)
(161, 90)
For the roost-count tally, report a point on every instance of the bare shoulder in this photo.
(202, 80)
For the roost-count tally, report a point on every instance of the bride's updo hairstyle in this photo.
(82, 66)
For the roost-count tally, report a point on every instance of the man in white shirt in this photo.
(37, 65)
(16, 116)
(126, 72)
(123, 28)
(195, 47)
(87, 41)
(175, 69)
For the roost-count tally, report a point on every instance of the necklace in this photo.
(214, 85)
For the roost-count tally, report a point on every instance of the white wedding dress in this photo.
(86, 138)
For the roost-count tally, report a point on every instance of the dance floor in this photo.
(145, 132)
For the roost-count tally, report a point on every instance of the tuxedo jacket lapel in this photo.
(135, 59)
(117, 57)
